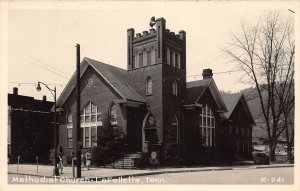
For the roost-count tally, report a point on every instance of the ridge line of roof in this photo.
(106, 79)
(123, 72)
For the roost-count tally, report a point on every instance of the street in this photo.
(282, 175)
(239, 176)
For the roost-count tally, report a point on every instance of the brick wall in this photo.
(101, 94)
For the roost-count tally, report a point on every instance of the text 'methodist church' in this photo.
(153, 103)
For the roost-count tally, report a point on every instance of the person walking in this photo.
(60, 164)
(88, 158)
(82, 160)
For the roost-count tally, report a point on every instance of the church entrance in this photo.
(134, 124)
(149, 131)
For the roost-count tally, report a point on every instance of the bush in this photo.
(172, 154)
(111, 143)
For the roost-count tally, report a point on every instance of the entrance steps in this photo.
(128, 161)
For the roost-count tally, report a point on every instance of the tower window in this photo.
(152, 56)
(173, 59)
(141, 60)
(144, 58)
(178, 61)
(148, 58)
(174, 88)
(149, 86)
(136, 61)
(168, 56)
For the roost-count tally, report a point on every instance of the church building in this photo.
(151, 102)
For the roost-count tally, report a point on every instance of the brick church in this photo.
(151, 102)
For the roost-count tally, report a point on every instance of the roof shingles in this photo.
(194, 90)
(118, 78)
(231, 101)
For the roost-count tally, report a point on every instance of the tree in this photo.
(288, 121)
(111, 142)
(266, 52)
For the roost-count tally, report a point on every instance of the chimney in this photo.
(44, 98)
(15, 91)
(207, 73)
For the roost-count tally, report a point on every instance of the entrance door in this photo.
(134, 126)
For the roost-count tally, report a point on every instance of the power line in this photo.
(174, 77)
(41, 64)
(209, 59)
(45, 41)
(229, 71)
(28, 110)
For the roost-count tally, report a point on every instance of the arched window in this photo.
(150, 129)
(207, 126)
(168, 56)
(174, 88)
(113, 114)
(178, 61)
(133, 61)
(144, 57)
(175, 130)
(69, 130)
(91, 120)
(149, 84)
(136, 60)
(152, 56)
(141, 60)
(173, 59)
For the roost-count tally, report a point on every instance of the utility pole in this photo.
(79, 143)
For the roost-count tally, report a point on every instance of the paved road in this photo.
(238, 176)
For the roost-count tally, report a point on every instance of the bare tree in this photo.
(265, 52)
(288, 120)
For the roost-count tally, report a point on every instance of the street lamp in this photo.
(53, 92)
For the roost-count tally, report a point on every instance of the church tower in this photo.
(157, 63)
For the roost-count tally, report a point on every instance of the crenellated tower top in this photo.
(156, 46)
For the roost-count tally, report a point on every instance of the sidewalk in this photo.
(105, 173)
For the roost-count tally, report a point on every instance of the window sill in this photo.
(147, 95)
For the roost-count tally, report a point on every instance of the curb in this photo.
(153, 173)
(162, 172)
(180, 171)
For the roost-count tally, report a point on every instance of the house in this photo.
(237, 127)
(30, 131)
(151, 102)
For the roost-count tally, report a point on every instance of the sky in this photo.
(41, 42)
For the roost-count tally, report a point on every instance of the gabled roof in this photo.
(195, 90)
(116, 77)
(231, 101)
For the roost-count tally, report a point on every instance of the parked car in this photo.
(261, 158)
